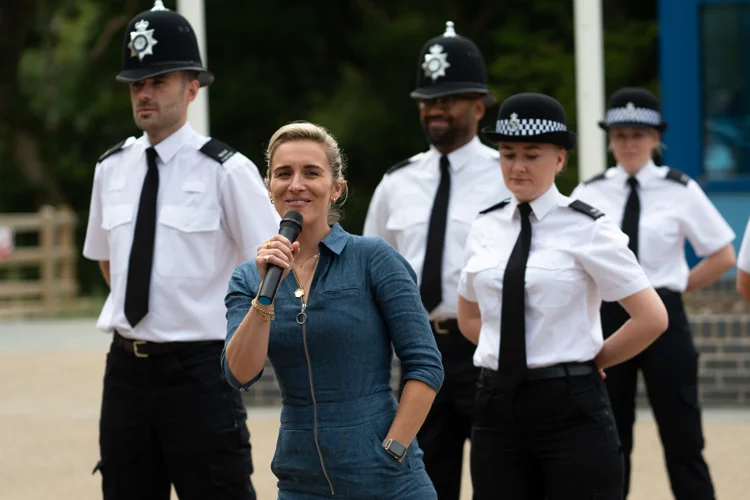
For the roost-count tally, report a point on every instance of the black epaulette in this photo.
(114, 149)
(675, 175)
(587, 209)
(217, 150)
(597, 177)
(495, 207)
(398, 165)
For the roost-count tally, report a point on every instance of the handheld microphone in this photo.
(290, 227)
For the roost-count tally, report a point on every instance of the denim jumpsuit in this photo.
(335, 370)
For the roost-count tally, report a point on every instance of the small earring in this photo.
(271, 201)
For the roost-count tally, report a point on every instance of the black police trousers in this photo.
(548, 439)
(443, 435)
(670, 372)
(172, 419)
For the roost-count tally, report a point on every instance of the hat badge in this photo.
(630, 110)
(142, 40)
(514, 122)
(435, 63)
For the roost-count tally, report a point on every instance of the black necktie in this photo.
(142, 251)
(512, 364)
(431, 288)
(631, 215)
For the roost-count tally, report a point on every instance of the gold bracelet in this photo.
(264, 313)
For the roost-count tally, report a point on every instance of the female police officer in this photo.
(659, 207)
(537, 267)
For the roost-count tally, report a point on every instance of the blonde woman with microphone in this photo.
(344, 304)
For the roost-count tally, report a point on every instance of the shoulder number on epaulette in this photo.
(495, 207)
(398, 165)
(587, 209)
(114, 149)
(217, 150)
(598, 177)
(675, 175)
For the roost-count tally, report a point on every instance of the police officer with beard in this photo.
(424, 207)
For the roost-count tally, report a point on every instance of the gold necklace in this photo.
(300, 292)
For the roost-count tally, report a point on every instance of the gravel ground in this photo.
(50, 389)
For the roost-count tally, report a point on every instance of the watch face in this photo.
(395, 448)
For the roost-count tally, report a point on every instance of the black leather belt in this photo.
(444, 326)
(144, 349)
(547, 372)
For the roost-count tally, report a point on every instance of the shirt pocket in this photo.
(187, 240)
(117, 220)
(551, 277)
(477, 277)
(408, 229)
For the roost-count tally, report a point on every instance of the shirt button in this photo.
(242, 389)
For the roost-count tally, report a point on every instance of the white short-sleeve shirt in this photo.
(401, 206)
(673, 208)
(743, 259)
(211, 216)
(576, 260)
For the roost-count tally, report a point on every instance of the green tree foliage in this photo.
(348, 65)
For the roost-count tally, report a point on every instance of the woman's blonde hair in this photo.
(306, 131)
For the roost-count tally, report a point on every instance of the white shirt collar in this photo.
(541, 206)
(167, 148)
(647, 173)
(461, 156)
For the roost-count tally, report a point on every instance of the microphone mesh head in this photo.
(293, 216)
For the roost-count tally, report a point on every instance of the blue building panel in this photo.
(705, 94)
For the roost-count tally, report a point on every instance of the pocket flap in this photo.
(406, 217)
(189, 219)
(194, 186)
(115, 215)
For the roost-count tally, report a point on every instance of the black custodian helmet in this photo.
(160, 41)
(450, 64)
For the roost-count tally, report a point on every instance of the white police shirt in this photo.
(673, 207)
(743, 258)
(211, 216)
(576, 260)
(401, 206)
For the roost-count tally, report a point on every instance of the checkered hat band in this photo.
(528, 126)
(634, 115)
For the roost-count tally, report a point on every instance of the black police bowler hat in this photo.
(531, 118)
(160, 41)
(451, 64)
(633, 107)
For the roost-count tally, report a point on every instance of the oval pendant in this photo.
(301, 318)
(299, 292)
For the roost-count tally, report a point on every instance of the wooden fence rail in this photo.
(55, 258)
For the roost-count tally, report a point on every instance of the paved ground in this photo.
(50, 385)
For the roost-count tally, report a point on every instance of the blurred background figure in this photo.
(659, 208)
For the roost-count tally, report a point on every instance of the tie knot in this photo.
(151, 154)
(444, 163)
(525, 210)
(633, 182)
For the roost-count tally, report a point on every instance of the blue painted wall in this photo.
(681, 98)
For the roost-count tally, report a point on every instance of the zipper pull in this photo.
(302, 315)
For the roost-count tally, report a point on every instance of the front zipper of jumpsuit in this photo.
(303, 322)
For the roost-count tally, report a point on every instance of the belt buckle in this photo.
(138, 354)
(438, 329)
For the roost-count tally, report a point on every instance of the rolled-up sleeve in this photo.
(243, 287)
(394, 286)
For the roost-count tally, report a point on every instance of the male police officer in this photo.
(424, 207)
(172, 214)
